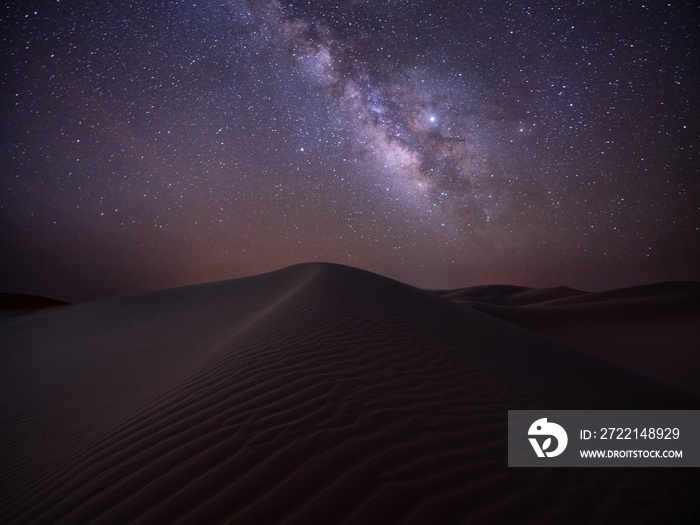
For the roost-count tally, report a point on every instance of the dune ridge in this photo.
(315, 394)
(16, 304)
(650, 329)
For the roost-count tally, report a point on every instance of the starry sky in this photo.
(442, 143)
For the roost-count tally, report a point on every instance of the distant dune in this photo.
(652, 329)
(509, 295)
(322, 394)
(14, 304)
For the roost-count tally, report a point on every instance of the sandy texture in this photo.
(16, 304)
(315, 394)
(652, 329)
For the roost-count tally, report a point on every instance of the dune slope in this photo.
(315, 394)
(16, 304)
(651, 329)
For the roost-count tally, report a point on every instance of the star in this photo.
(249, 132)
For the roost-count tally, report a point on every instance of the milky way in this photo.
(444, 144)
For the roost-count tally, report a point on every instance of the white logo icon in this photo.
(542, 428)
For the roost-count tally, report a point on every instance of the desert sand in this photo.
(322, 394)
(652, 329)
(14, 304)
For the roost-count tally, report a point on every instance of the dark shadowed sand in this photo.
(322, 394)
(652, 329)
(16, 304)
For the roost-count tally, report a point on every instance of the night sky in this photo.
(444, 144)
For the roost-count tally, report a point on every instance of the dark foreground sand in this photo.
(325, 394)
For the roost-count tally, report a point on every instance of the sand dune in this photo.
(650, 329)
(509, 295)
(314, 394)
(16, 304)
